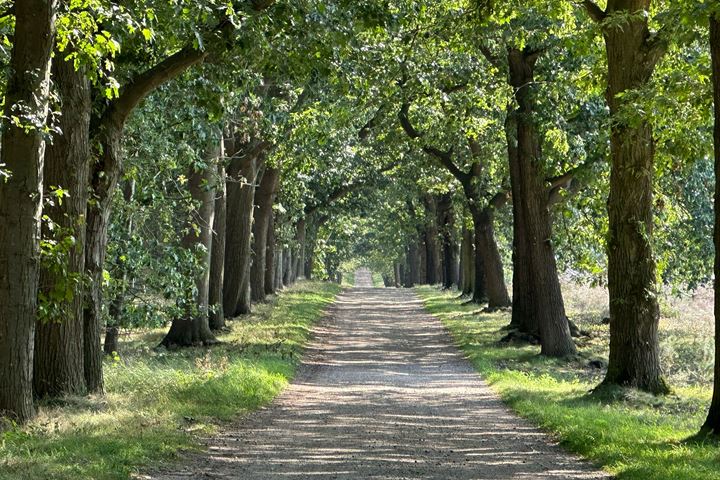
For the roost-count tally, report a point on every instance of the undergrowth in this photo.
(632, 435)
(157, 402)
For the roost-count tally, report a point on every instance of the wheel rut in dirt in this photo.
(383, 394)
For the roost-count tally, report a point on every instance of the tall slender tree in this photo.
(21, 197)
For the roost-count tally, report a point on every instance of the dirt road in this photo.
(383, 394)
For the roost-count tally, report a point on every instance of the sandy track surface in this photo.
(383, 394)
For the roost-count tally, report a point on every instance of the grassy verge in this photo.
(377, 279)
(632, 435)
(348, 279)
(157, 402)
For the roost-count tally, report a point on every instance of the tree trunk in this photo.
(446, 217)
(422, 260)
(523, 318)
(467, 262)
(431, 240)
(412, 263)
(26, 97)
(217, 259)
(264, 199)
(287, 266)
(488, 261)
(712, 422)
(632, 54)
(58, 362)
(271, 259)
(110, 345)
(299, 257)
(241, 174)
(547, 303)
(194, 327)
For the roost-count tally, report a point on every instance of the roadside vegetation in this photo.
(158, 401)
(631, 434)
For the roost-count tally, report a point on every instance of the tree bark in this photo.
(287, 266)
(446, 216)
(413, 263)
(217, 259)
(194, 328)
(299, 257)
(58, 360)
(467, 262)
(21, 200)
(491, 281)
(523, 318)
(422, 259)
(632, 54)
(712, 422)
(264, 199)
(241, 174)
(431, 240)
(271, 258)
(547, 307)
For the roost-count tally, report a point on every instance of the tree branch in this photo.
(595, 12)
(490, 56)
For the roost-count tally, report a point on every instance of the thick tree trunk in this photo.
(194, 327)
(104, 180)
(488, 261)
(58, 361)
(413, 263)
(241, 174)
(26, 97)
(712, 422)
(217, 259)
(287, 267)
(299, 257)
(432, 240)
(446, 220)
(264, 199)
(271, 259)
(523, 318)
(110, 345)
(632, 54)
(467, 262)
(547, 302)
(422, 260)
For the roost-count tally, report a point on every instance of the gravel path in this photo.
(383, 394)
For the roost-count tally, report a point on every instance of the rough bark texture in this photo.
(522, 318)
(217, 259)
(432, 244)
(194, 327)
(488, 262)
(413, 264)
(264, 198)
(632, 53)
(21, 201)
(712, 422)
(110, 345)
(467, 262)
(446, 220)
(58, 362)
(241, 174)
(287, 275)
(271, 258)
(299, 256)
(547, 307)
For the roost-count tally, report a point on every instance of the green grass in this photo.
(348, 279)
(158, 402)
(377, 279)
(630, 434)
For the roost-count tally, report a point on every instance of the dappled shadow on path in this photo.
(383, 394)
